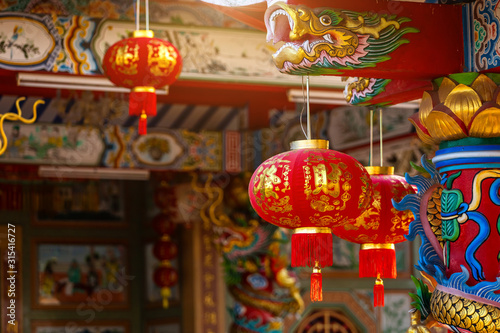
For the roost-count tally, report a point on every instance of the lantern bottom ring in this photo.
(313, 230)
(381, 246)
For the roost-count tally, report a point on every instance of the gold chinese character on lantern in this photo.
(161, 58)
(126, 59)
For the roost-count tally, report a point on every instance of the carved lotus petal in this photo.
(486, 124)
(442, 127)
(425, 107)
(484, 87)
(445, 88)
(422, 132)
(464, 102)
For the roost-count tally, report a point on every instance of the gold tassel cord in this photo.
(16, 117)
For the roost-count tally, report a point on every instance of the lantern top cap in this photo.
(380, 170)
(311, 144)
(143, 33)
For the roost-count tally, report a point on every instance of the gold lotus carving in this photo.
(455, 111)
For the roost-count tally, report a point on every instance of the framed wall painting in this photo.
(79, 203)
(153, 292)
(11, 301)
(63, 326)
(169, 325)
(77, 274)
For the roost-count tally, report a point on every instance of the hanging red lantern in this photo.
(379, 228)
(162, 223)
(310, 189)
(165, 249)
(143, 64)
(165, 276)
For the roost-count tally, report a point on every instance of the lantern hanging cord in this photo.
(147, 14)
(380, 134)
(303, 106)
(137, 14)
(308, 110)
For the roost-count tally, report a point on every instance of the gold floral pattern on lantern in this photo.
(324, 180)
(459, 108)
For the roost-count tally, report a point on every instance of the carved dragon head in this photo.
(326, 38)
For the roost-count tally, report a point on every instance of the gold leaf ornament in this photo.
(442, 127)
(489, 117)
(463, 101)
(484, 87)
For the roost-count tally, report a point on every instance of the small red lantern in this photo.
(310, 189)
(142, 63)
(165, 276)
(162, 223)
(165, 249)
(379, 228)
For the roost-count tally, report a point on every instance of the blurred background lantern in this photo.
(381, 225)
(164, 249)
(379, 228)
(310, 189)
(143, 64)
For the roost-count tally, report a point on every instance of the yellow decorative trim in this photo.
(143, 33)
(312, 230)
(316, 269)
(14, 117)
(144, 89)
(379, 282)
(382, 246)
(302, 144)
(380, 170)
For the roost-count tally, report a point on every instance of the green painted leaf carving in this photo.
(450, 201)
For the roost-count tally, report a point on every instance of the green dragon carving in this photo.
(323, 40)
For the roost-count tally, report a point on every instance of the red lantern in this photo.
(164, 249)
(163, 224)
(166, 276)
(310, 189)
(379, 228)
(164, 197)
(142, 63)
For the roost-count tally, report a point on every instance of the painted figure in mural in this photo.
(256, 271)
(457, 205)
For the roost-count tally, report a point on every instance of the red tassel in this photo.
(316, 285)
(378, 293)
(311, 246)
(143, 124)
(375, 260)
(142, 99)
(142, 102)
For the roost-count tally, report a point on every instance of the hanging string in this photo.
(380, 134)
(137, 14)
(303, 107)
(308, 110)
(370, 157)
(147, 14)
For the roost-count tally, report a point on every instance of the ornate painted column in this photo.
(457, 207)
